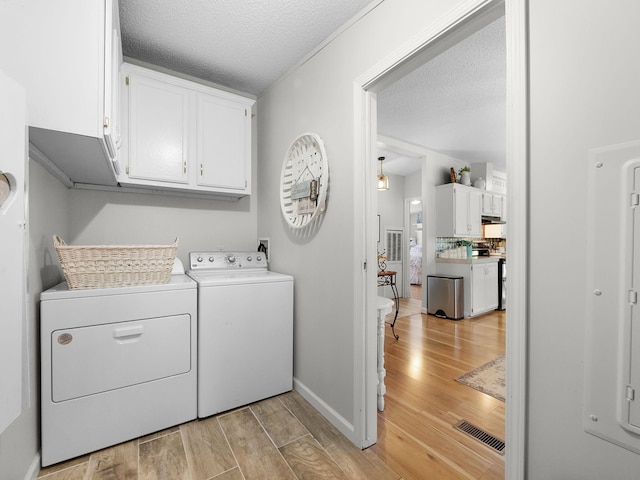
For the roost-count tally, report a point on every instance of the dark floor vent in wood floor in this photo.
(480, 435)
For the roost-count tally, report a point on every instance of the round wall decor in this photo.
(304, 180)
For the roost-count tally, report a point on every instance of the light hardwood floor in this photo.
(416, 437)
(285, 438)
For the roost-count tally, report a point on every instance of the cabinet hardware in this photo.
(184, 167)
(126, 80)
(127, 169)
(633, 297)
(201, 170)
(635, 199)
(106, 122)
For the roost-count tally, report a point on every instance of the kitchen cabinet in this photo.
(480, 282)
(458, 211)
(184, 136)
(67, 63)
(484, 287)
(492, 204)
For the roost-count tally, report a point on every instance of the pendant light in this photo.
(383, 180)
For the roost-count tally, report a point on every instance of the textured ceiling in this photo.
(243, 44)
(454, 104)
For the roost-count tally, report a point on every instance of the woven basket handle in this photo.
(58, 242)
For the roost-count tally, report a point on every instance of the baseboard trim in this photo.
(337, 420)
(34, 468)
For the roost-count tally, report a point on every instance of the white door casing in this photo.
(13, 148)
(365, 87)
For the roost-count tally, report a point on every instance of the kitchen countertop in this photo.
(473, 260)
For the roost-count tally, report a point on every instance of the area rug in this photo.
(488, 378)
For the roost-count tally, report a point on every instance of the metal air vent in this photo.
(489, 440)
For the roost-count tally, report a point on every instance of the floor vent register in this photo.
(489, 440)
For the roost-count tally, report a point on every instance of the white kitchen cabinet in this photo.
(67, 63)
(484, 287)
(480, 282)
(492, 204)
(458, 211)
(185, 136)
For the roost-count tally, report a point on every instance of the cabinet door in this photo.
(484, 288)
(112, 61)
(477, 289)
(158, 130)
(492, 204)
(491, 286)
(487, 202)
(224, 146)
(474, 213)
(460, 212)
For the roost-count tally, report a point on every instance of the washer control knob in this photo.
(258, 258)
(211, 259)
(199, 259)
(249, 258)
(230, 258)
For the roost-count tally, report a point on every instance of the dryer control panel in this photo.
(217, 260)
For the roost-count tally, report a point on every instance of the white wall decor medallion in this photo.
(304, 180)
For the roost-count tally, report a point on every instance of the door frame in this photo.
(432, 41)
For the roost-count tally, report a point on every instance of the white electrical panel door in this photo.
(630, 405)
(612, 355)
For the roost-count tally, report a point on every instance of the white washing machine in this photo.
(245, 330)
(117, 363)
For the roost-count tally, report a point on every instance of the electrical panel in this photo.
(612, 356)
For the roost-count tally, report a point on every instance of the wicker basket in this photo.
(115, 265)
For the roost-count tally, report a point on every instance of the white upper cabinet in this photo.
(67, 60)
(223, 144)
(492, 204)
(184, 136)
(458, 211)
(158, 131)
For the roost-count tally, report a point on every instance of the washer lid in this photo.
(235, 277)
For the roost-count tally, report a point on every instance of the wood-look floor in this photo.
(285, 438)
(416, 437)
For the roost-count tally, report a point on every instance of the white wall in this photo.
(391, 207)
(585, 72)
(106, 218)
(391, 211)
(319, 97)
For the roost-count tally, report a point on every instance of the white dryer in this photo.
(117, 363)
(245, 330)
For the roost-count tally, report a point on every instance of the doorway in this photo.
(434, 41)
